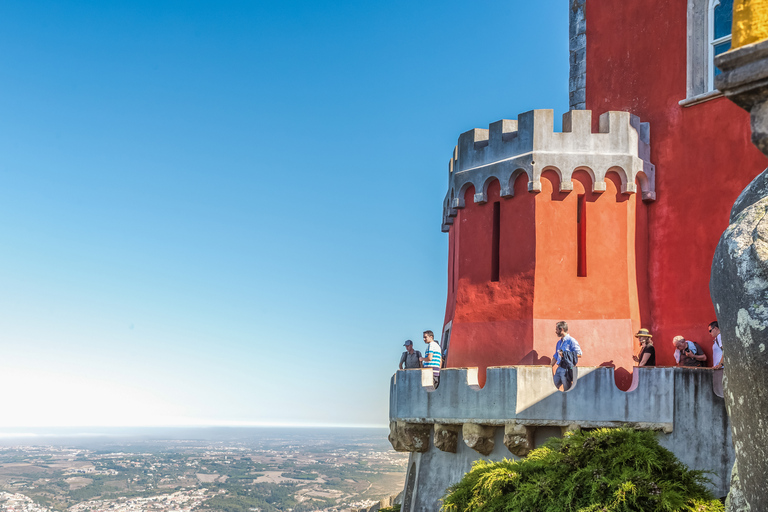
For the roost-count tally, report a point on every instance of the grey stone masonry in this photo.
(519, 408)
(739, 283)
(577, 46)
(530, 145)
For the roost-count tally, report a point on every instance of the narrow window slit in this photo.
(495, 243)
(581, 235)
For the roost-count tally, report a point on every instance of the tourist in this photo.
(567, 354)
(410, 358)
(647, 356)
(433, 357)
(717, 345)
(688, 353)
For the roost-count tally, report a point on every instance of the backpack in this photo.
(699, 351)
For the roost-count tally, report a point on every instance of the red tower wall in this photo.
(636, 61)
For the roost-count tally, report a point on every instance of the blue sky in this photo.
(229, 212)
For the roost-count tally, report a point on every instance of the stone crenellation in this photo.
(449, 427)
(530, 145)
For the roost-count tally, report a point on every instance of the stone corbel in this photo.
(479, 437)
(518, 439)
(409, 437)
(446, 437)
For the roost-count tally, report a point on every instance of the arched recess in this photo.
(627, 186)
(563, 183)
(460, 200)
(482, 196)
(511, 183)
(619, 181)
(644, 186)
(552, 176)
(594, 185)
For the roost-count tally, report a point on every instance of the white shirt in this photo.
(717, 350)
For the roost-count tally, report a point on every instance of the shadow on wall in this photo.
(532, 358)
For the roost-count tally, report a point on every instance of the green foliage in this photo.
(393, 508)
(604, 470)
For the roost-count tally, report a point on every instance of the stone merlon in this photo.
(530, 145)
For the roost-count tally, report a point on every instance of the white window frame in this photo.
(700, 52)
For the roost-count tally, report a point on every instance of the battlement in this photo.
(530, 145)
(527, 394)
(447, 428)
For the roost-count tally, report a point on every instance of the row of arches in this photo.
(507, 181)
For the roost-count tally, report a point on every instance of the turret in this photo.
(547, 226)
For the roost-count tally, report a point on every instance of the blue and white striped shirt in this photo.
(434, 349)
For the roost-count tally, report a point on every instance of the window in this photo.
(720, 21)
(709, 34)
(495, 241)
(581, 236)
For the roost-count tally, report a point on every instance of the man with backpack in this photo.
(410, 358)
(688, 353)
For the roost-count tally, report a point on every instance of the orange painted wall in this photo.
(512, 321)
(636, 61)
(601, 308)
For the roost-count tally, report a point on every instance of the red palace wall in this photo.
(647, 263)
(703, 156)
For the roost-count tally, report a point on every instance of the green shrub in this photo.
(393, 508)
(603, 470)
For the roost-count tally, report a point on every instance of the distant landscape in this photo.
(216, 469)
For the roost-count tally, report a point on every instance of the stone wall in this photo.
(448, 428)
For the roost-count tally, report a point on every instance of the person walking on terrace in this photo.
(433, 357)
(688, 353)
(717, 345)
(647, 356)
(410, 358)
(567, 354)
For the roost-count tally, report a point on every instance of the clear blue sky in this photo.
(229, 212)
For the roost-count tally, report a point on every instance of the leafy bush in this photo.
(604, 470)
(393, 508)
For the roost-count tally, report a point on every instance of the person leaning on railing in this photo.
(688, 353)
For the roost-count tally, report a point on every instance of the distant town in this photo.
(311, 472)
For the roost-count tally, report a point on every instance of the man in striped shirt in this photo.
(433, 358)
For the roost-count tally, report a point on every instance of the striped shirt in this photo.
(434, 349)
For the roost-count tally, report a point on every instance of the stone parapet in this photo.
(519, 408)
(526, 395)
(530, 145)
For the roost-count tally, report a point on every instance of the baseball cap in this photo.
(407, 342)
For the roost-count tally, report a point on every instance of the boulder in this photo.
(739, 284)
(735, 501)
(739, 288)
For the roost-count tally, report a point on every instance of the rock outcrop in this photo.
(739, 287)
